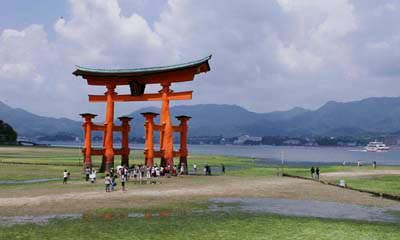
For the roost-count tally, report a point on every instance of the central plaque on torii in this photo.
(137, 79)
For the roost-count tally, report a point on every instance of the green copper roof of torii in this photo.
(81, 71)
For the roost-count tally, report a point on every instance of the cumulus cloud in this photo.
(267, 55)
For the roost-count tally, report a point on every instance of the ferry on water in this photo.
(376, 147)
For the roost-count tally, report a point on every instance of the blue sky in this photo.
(267, 54)
(18, 14)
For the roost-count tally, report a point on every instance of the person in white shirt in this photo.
(195, 168)
(157, 172)
(93, 176)
(65, 181)
(148, 173)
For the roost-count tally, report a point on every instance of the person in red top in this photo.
(174, 170)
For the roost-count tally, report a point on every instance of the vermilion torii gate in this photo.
(137, 79)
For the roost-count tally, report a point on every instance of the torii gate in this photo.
(137, 79)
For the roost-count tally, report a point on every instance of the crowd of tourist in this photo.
(139, 173)
(314, 173)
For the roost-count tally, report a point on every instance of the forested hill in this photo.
(7, 133)
(364, 117)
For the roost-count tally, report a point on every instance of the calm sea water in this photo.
(291, 155)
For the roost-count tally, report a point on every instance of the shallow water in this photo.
(310, 208)
(41, 180)
(293, 155)
(40, 220)
(287, 207)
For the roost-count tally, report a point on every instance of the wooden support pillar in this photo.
(183, 141)
(125, 140)
(109, 125)
(87, 150)
(166, 136)
(149, 131)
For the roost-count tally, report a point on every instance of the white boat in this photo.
(376, 147)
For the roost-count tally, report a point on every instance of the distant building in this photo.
(205, 140)
(391, 140)
(246, 138)
(292, 142)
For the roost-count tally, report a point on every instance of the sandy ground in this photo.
(174, 191)
(361, 173)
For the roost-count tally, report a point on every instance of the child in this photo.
(93, 176)
(123, 180)
(107, 182)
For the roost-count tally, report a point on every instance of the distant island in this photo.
(333, 124)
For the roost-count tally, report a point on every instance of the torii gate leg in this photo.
(149, 146)
(109, 124)
(125, 140)
(183, 141)
(87, 151)
(166, 141)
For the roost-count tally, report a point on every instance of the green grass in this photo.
(305, 171)
(59, 155)
(187, 225)
(235, 166)
(72, 157)
(382, 184)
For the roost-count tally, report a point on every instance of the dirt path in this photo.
(361, 173)
(179, 191)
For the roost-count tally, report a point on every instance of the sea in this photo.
(288, 155)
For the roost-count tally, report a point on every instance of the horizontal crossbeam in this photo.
(97, 127)
(145, 97)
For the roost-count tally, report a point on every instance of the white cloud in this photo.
(267, 55)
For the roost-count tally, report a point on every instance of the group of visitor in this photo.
(207, 170)
(139, 172)
(111, 178)
(315, 173)
(90, 174)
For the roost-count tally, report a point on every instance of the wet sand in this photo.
(197, 189)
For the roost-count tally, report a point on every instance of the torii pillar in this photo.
(183, 141)
(87, 151)
(149, 127)
(109, 126)
(125, 129)
(166, 135)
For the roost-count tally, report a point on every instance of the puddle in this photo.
(86, 216)
(40, 220)
(41, 180)
(300, 208)
(309, 208)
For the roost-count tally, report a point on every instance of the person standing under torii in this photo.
(87, 173)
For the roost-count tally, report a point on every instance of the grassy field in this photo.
(178, 220)
(382, 184)
(189, 225)
(50, 162)
(305, 172)
(60, 158)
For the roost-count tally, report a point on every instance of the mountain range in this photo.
(371, 116)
